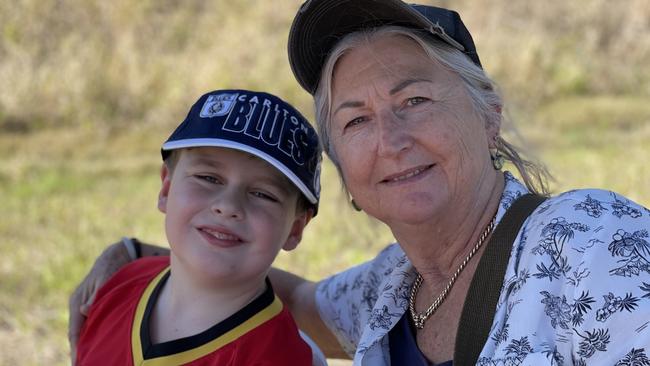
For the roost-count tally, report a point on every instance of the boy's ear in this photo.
(295, 235)
(165, 177)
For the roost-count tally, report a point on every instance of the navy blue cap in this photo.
(260, 124)
(320, 24)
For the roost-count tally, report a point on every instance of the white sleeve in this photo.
(345, 300)
(595, 245)
(613, 283)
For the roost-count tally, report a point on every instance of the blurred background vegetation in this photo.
(90, 89)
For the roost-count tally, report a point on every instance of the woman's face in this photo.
(409, 141)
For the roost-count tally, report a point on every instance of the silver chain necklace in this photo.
(420, 318)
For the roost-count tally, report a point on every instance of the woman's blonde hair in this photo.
(482, 91)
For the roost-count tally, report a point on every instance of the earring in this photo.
(497, 159)
(495, 155)
(354, 204)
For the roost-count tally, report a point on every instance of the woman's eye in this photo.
(354, 122)
(415, 101)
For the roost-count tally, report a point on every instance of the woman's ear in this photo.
(494, 126)
(165, 177)
(298, 226)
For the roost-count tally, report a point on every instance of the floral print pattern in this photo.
(576, 289)
(635, 250)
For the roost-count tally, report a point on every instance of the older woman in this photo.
(412, 122)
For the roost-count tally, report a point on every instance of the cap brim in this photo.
(208, 142)
(318, 25)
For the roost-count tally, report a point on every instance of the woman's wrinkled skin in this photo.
(414, 153)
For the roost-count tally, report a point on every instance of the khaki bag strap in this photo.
(485, 288)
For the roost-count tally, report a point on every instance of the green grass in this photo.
(598, 142)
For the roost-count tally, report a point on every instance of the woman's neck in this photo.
(436, 248)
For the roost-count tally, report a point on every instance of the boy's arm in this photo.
(299, 295)
(114, 257)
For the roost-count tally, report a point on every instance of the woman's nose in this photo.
(394, 136)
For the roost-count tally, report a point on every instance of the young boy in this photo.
(240, 181)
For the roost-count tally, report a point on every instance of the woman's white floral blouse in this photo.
(576, 289)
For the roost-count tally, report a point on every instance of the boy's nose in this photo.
(225, 211)
(228, 205)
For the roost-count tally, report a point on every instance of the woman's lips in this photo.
(219, 237)
(407, 175)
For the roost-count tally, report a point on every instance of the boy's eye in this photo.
(208, 178)
(264, 196)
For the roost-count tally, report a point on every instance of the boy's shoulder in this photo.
(144, 267)
(133, 275)
(106, 333)
(124, 288)
(140, 270)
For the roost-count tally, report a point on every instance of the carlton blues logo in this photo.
(218, 105)
(263, 120)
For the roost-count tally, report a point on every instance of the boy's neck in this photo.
(186, 307)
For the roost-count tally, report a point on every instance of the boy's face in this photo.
(228, 213)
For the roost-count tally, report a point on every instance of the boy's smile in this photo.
(220, 236)
(228, 214)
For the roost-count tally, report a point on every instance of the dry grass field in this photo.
(90, 89)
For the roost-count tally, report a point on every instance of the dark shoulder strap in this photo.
(480, 304)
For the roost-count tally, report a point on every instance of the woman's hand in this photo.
(114, 257)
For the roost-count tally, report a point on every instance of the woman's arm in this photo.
(296, 292)
(114, 257)
(299, 295)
